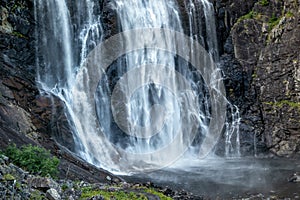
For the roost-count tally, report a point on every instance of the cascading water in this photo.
(194, 10)
(203, 31)
(120, 120)
(56, 47)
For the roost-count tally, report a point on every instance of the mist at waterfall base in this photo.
(68, 34)
(228, 178)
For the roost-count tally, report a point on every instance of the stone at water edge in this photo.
(295, 178)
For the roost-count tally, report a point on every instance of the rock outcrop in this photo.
(15, 183)
(261, 62)
(17, 71)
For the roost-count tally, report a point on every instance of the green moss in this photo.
(250, 15)
(139, 193)
(37, 195)
(273, 21)
(18, 185)
(280, 104)
(289, 14)
(18, 34)
(263, 2)
(159, 194)
(9, 177)
(89, 192)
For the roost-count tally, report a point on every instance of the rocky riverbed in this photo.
(15, 183)
(263, 179)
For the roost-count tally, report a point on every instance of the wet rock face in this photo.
(17, 71)
(263, 47)
(16, 36)
(278, 83)
(227, 13)
(22, 109)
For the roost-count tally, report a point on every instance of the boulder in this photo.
(52, 194)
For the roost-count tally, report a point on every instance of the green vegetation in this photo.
(18, 34)
(250, 15)
(273, 21)
(17, 5)
(18, 185)
(64, 187)
(289, 14)
(263, 2)
(36, 195)
(159, 194)
(34, 159)
(9, 177)
(138, 194)
(89, 192)
(280, 104)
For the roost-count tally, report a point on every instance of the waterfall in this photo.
(136, 101)
(147, 98)
(232, 130)
(203, 31)
(56, 47)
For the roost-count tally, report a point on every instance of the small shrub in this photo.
(34, 159)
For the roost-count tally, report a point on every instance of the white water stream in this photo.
(126, 116)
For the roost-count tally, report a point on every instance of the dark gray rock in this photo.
(261, 74)
(295, 178)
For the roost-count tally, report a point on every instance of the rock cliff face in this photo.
(259, 42)
(261, 62)
(24, 112)
(17, 60)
